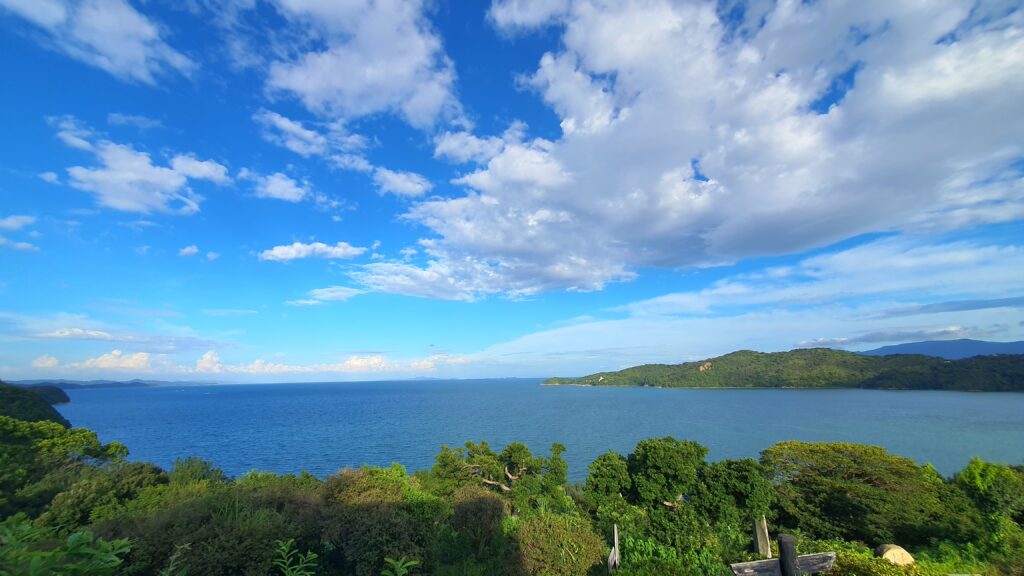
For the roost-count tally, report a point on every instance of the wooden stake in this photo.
(764, 546)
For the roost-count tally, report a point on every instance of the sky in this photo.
(331, 190)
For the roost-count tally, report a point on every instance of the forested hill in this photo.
(25, 404)
(821, 368)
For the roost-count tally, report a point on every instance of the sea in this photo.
(324, 427)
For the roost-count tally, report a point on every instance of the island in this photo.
(821, 368)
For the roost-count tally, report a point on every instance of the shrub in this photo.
(27, 549)
(558, 545)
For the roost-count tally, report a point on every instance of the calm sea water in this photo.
(324, 427)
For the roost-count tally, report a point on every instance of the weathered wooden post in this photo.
(788, 563)
(764, 546)
(614, 562)
(787, 555)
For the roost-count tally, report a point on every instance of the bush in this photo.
(558, 545)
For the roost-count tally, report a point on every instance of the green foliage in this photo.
(398, 567)
(28, 405)
(856, 492)
(374, 513)
(193, 469)
(40, 459)
(608, 476)
(52, 394)
(666, 470)
(557, 545)
(291, 563)
(530, 483)
(101, 493)
(996, 488)
(644, 557)
(477, 514)
(27, 550)
(821, 368)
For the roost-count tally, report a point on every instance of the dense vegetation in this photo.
(29, 404)
(822, 368)
(72, 505)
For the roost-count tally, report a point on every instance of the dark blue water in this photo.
(324, 427)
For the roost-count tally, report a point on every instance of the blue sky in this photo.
(300, 190)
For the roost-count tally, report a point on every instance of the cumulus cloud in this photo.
(128, 180)
(371, 57)
(513, 15)
(690, 139)
(401, 183)
(45, 362)
(108, 34)
(115, 360)
(280, 187)
(49, 177)
(211, 256)
(464, 147)
(190, 167)
(189, 250)
(298, 250)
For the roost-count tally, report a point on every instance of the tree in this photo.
(40, 459)
(856, 492)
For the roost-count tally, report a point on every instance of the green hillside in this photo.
(24, 404)
(820, 368)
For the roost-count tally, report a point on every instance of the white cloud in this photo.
(188, 250)
(464, 147)
(689, 141)
(211, 256)
(45, 361)
(334, 293)
(116, 360)
(76, 334)
(190, 167)
(49, 177)
(291, 134)
(372, 57)
(210, 363)
(142, 250)
(135, 120)
(401, 183)
(108, 34)
(512, 15)
(16, 222)
(298, 250)
(128, 180)
(281, 187)
(885, 291)
(22, 246)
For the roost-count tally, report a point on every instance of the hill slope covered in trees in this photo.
(821, 368)
(26, 404)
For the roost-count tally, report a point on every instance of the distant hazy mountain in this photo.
(951, 349)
